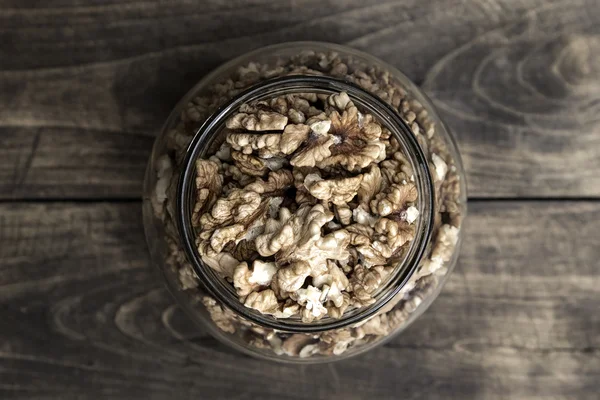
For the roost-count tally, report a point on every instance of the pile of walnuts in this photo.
(307, 207)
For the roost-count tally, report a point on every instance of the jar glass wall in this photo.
(325, 77)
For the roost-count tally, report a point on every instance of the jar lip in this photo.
(303, 83)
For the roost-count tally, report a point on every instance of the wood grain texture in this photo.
(85, 317)
(84, 89)
(85, 86)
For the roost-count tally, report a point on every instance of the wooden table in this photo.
(84, 88)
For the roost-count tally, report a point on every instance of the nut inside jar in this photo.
(307, 206)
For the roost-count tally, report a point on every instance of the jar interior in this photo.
(209, 137)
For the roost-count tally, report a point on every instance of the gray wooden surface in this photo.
(84, 88)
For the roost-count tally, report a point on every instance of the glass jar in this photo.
(417, 143)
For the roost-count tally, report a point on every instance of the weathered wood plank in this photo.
(516, 81)
(524, 100)
(66, 162)
(84, 316)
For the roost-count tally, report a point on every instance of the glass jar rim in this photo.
(204, 135)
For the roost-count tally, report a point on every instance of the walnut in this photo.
(332, 283)
(309, 350)
(292, 277)
(223, 321)
(412, 213)
(396, 170)
(224, 152)
(249, 164)
(361, 236)
(265, 145)
(358, 230)
(238, 206)
(312, 300)
(278, 234)
(394, 199)
(240, 215)
(303, 196)
(377, 326)
(296, 116)
(287, 309)
(446, 241)
(222, 236)
(196, 110)
(250, 73)
(261, 121)
(362, 216)
(297, 237)
(276, 163)
(364, 282)
(450, 197)
(316, 148)
(336, 342)
(262, 272)
(392, 145)
(397, 317)
(264, 301)
(292, 137)
(441, 168)
(247, 280)
(343, 213)
(375, 245)
(208, 187)
(295, 343)
(224, 263)
(369, 255)
(337, 311)
(233, 172)
(178, 140)
(164, 172)
(316, 126)
(355, 140)
(187, 277)
(338, 190)
(297, 106)
(370, 185)
(340, 101)
(391, 236)
(276, 182)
